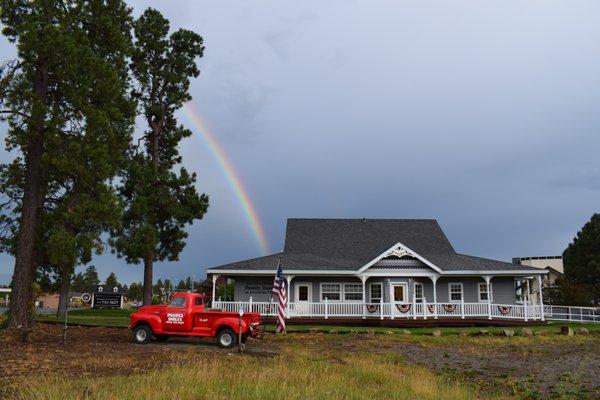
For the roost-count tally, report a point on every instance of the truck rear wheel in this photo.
(142, 334)
(226, 338)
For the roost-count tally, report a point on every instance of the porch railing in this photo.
(332, 309)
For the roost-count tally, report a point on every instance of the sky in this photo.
(484, 115)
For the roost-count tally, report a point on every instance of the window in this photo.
(484, 293)
(399, 293)
(177, 302)
(520, 286)
(353, 292)
(331, 291)
(303, 293)
(375, 292)
(418, 292)
(198, 301)
(456, 292)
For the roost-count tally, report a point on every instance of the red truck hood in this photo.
(151, 309)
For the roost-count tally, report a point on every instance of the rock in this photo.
(582, 331)
(333, 332)
(566, 330)
(463, 334)
(406, 332)
(526, 332)
(508, 332)
(483, 332)
(541, 333)
(436, 333)
(389, 332)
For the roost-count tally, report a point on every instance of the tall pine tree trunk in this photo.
(149, 258)
(33, 191)
(148, 262)
(65, 288)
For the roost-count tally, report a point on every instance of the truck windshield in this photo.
(177, 302)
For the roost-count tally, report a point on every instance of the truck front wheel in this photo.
(142, 334)
(226, 338)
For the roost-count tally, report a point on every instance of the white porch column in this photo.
(434, 280)
(288, 281)
(488, 279)
(539, 278)
(214, 288)
(528, 291)
(363, 279)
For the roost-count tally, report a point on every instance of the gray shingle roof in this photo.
(349, 244)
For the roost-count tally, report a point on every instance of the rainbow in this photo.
(231, 176)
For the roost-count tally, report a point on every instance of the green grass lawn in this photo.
(120, 319)
(92, 317)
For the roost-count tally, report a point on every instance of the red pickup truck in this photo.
(187, 315)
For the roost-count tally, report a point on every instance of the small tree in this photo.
(581, 283)
(160, 201)
(111, 280)
(90, 277)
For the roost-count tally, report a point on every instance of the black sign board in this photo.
(107, 300)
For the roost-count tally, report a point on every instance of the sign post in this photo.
(240, 344)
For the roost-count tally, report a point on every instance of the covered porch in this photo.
(394, 298)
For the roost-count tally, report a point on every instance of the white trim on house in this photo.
(489, 292)
(380, 284)
(415, 298)
(405, 292)
(342, 291)
(462, 292)
(391, 273)
(297, 292)
(403, 250)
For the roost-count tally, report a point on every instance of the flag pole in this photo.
(271, 297)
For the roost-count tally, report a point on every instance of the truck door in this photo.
(175, 316)
(202, 319)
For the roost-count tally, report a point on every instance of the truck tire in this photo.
(226, 338)
(142, 334)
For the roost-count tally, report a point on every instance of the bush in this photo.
(3, 320)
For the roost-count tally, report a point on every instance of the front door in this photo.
(303, 298)
(399, 295)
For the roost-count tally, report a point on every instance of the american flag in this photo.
(280, 292)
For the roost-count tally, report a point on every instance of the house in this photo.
(384, 268)
(555, 271)
(49, 301)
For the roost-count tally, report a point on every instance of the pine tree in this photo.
(90, 277)
(581, 283)
(111, 280)
(160, 201)
(63, 97)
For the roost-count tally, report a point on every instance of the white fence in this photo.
(572, 314)
(331, 309)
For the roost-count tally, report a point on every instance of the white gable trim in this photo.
(400, 250)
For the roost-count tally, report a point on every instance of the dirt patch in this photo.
(557, 366)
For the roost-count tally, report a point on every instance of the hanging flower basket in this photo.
(431, 308)
(450, 308)
(403, 308)
(372, 308)
(504, 310)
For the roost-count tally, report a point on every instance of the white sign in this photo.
(175, 318)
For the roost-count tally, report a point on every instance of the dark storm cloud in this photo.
(484, 115)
